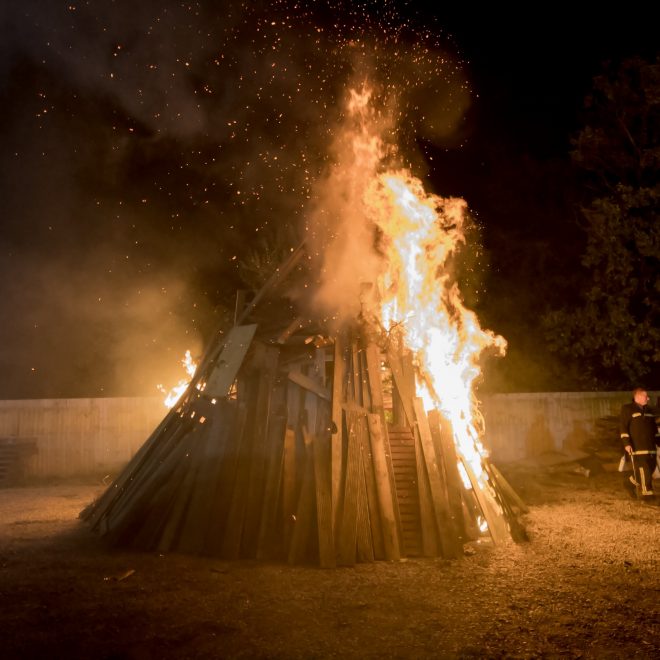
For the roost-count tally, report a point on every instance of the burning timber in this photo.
(295, 445)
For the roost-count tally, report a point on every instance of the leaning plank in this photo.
(347, 538)
(231, 542)
(265, 369)
(276, 440)
(337, 426)
(427, 518)
(223, 373)
(404, 390)
(443, 438)
(204, 512)
(160, 435)
(280, 273)
(321, 450)
(505, 486)
(372, 495)
(373, 373)
(364, 539)
(489, 507)
(195, 456)
(386, 494)
(304, 510)
(309, 384)
(120, 518)
(451, 545)
(289, 480)
(141, 481)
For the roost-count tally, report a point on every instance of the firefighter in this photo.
(640, 436)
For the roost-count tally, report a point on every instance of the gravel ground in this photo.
(586, 585)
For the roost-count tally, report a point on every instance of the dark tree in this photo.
(612, 338)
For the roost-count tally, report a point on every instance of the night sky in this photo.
(150, 150)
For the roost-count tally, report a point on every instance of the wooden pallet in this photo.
(14, 453)
(402, 447)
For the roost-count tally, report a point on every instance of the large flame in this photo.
(420, 233)
(417, 235)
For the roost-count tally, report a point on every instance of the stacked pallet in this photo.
(14, 455)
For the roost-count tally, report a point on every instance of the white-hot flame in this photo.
(420, 234)
(173, 395)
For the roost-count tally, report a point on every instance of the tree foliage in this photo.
(612, 338)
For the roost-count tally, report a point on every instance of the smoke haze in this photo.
(147, 148)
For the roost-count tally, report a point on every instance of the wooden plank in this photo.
(374, 377)
(489, 507)
(289, 481)
(231, 542)
(430, 547)
(197, 443)
(371, 491)
(141, 479)
(372, 355)
(386, 494)
(264, 365)
(364, 381)
(231, 438)
(337, 437)
(403, 389)
(322, 480)
(296, 324)
(309, 384)
(443, 438)
(304, 510)
(118, 520)
(451, 545)
(280, 274)
(347, 538)
(502, 483)
(101, 507)
(364, 540)
(355, 372)
(223, 371)
(192, 538)
(266, 541)
(143, 521)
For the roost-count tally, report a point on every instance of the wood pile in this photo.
(301, 447)
(14, 456)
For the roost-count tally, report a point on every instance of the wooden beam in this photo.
(443, 437)
(404, 390)
(489, 507)
(280, 273)
(226, 366)
(304, 509)
(309, 384)
(263, 367)
(371, 493)
(451, 546)
(337, 437)
(430, 532)
(321, 450)
(386, 493)
(347, 538)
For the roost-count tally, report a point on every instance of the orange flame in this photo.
(174, 394)
(418, 235)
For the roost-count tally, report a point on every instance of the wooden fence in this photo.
(79, 436)
(96, 436)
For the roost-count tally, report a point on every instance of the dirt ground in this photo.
(586, 585)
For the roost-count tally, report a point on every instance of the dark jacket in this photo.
(638, 427)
